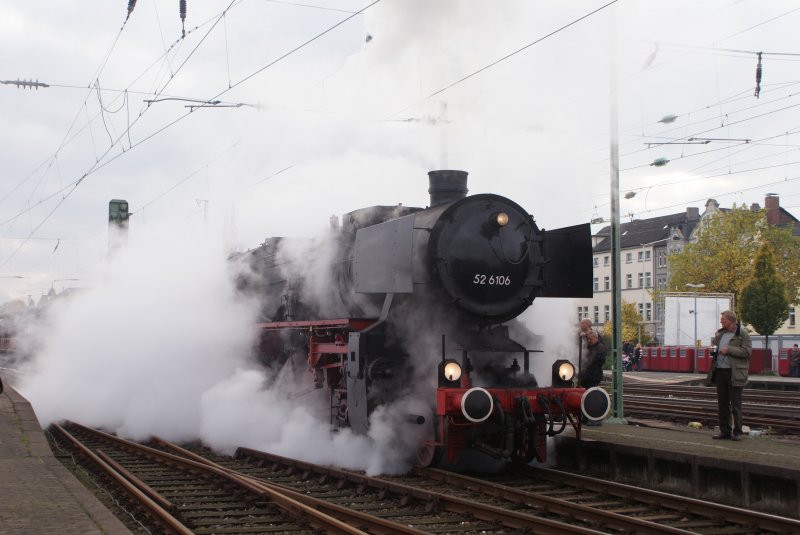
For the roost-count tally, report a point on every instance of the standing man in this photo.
(733, 360)
(595, 359)
(592, 372)
(794, 361)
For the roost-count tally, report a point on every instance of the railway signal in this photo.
(118, 216)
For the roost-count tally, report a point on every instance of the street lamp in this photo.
(695, 287)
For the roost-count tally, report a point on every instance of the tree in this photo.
(722, 257)
(764, 303)
(630, 325)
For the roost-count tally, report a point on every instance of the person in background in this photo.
(733, 360)
(592, 373)
(637, 357)
(794, 361)
(627, 348)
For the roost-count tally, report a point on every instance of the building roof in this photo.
(648, 231)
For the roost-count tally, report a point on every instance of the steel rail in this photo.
(601, 517)
(289, 505)
(375, 524)
(701, 409)
(153, 509)
(508, 518)
(749, 395)
(745, 517)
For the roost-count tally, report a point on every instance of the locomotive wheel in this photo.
(524, 447)
(428, 453)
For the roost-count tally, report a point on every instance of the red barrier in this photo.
(703, 359)
(686, 359)
(671, 362)
(760, 360)
(784, 365)
(647, 358)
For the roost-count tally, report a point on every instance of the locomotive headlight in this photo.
(501, 219)
(450, 373)
(563, 373)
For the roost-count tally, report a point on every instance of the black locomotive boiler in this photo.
(403, 302)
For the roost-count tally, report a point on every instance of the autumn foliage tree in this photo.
(630, 325)
(723, 256)
(764, 303)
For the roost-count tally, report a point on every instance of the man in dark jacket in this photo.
(595, 358)
(592, 374)
(794, 361)
(733, 361)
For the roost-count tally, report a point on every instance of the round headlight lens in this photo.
(452, 371)
(502, 219)
(566, 371)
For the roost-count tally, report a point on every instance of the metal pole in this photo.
(695, 344)
(617, 415)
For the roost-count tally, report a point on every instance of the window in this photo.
(586, 312)
(641, 310)
(648, 307)
(595, 261)
(648, 280)
(792, 317)
(607, 312)
(606, 283)
(596, 284)
(605, 260)
(580, 316)
(596, 314)
(647, 256)
(628, 258)
(641, 256)
(661, 259)
(641, 280)
(629, 281)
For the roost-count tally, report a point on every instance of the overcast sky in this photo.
(324, 110)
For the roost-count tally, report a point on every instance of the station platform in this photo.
(759, 472)
(37, 494)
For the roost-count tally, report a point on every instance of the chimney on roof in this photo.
(692, 213)
(773, 206)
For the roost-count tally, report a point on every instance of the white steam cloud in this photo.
(163, 347)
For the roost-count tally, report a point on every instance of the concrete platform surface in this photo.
(39, 495)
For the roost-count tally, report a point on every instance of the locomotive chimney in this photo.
(447, 186)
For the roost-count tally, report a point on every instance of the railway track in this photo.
(778, 411)
(337, 501)
(619, 504)
(176, 495)
(425, 501)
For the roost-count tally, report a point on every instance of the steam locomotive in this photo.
(400, 302)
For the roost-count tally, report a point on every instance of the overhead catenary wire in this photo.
(67, 192)
(504, 58)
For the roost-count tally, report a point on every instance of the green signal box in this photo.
(118, 213)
